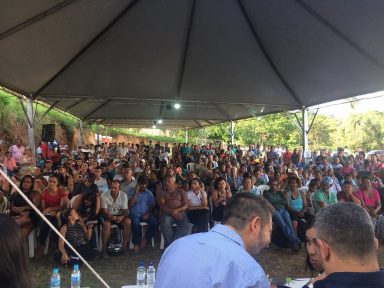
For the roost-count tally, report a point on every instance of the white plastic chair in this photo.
(143, 225)
(32, 243)
(263, 188)
(191, 167)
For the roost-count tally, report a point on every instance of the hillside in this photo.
(13, 125)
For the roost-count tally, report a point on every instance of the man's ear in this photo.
(255, 224)
(324, 250)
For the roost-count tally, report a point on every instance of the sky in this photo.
(340, 109)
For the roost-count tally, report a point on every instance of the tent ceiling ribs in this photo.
(75, 104)
(96, 109)
(35, 18)
(266, 54)
(85, 48)
(340, 34)
(185, 48)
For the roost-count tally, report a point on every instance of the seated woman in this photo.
(369, 197)
(88, 208)
(198, 210)
(78, 235)
(53, 201)
(281, 217)
(248, 187)
(20, 211)
(297, 202)
(220, 195)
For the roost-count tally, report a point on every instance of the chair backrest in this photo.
(263, 188)
(191, 167)
(303, 189)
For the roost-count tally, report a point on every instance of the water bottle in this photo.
(75, 277)
(140, 276)
(151, 275)
(55, 278)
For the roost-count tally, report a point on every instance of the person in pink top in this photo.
(17, 151)
(369, 197)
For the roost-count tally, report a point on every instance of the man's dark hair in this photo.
(142, 179)
(347, 228)
(243, 207)
(347, 182)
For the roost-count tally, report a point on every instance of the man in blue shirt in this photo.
(225, 256)
(347, 247)
(141, 203)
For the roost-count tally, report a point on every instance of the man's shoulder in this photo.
(105, 195)
(352, 279)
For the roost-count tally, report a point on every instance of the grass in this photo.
(121, 270)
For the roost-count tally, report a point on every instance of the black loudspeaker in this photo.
(48, 133)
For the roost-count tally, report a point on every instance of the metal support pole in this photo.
(97, 132)
(31, 132)
(80, 140)
(186, 136)
(304, 113)
(232, 132)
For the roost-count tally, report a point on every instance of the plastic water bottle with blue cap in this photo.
(140, 276)
(151, 275)
(75, 277)
(55, 278)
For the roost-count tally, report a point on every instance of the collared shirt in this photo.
(352, 279)
(321, 196)
(213, 259)
(144, 201)
(114, 207)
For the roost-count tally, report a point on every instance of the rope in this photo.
(53, 227)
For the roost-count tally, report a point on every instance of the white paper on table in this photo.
(298, 282)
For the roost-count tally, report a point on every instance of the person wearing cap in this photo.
(323, 197)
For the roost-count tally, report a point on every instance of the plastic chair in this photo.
(191, 167)
(263, 188)
(143, 227)
(32, 243)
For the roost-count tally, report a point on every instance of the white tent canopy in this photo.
(126, 62)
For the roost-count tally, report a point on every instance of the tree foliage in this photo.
(358, 130)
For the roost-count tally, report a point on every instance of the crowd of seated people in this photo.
(178, 189)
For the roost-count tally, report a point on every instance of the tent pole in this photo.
(304, 113)
(186, 136)
(80, 140)
(232, 132)
(31, 132)
(98, 132)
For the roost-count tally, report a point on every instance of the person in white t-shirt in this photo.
(198, 210)
(114, 207)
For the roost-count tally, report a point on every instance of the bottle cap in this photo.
(151, 263)
(141, 263)
(55, 270)
(76, 267)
